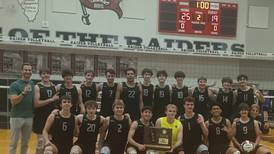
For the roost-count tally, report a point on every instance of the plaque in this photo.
(159, 139)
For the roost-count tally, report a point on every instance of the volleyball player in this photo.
(88, 87)
(108, 89)
(68, 89)
(147, 87)
(89, 125)
(116, 127)
(194, 129)
(162, 95)
(62, 127)
(262, 122)
(247, 129)
(169, 121)
(136, 132)
(131, 94)
(45, 100)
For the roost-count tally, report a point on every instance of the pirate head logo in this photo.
(100, 5)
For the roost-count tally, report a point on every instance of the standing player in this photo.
(131, 93)
(68, 89)
(45, 100)
(147, 87)
(179, 91)
(162, 95)
(219, 132)
(61, 127)
(89, 88)
(117, 128)
(177, 130)
(194, 129)
(136, 132)
(202, 96)
(108, 89)
(89, 126)
(247, 129)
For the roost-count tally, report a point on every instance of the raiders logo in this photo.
(113, 5)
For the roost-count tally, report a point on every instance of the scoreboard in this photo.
(198, 17)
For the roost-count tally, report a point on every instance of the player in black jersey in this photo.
(246, 128)
(162, 95)
(246, 93)
(219, 132)
(89, 125)
(194, 129)
(62, 127)
(147, 87)
(262, 121)
(131, 93)
(179, 91)
(89, 88)
(68, 89)
(136, 132)
(45, 100)
(116, 127)
(203, 96)
(108, 89)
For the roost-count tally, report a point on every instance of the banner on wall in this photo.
(134, 44)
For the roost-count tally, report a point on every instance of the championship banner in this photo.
(159, 139)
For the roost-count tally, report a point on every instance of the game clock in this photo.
(198, 17)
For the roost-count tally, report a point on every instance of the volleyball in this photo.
(247, 146)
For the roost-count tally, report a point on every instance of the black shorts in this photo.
(190, 149)
(86, 148)
(63, 148)
(39, 121)
(218, 149)
(115, 149)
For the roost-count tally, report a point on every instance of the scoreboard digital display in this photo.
(198, 17)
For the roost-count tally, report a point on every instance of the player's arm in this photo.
(200, 121)
(258, 133)
(103, 131)
(80, 100)
(141, 102)
(78, 120)
(234, 140)
(46, 129)
(228, 129)
(207, 126)
(211, 95)
(118, 91)
(258, 94)
(16, 95)
(40, 103)
(179, 137)
(101, 136)
(158, 123)
(235, 94)
(131, 133)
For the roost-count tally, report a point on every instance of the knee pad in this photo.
(237, 152)
(105, 150)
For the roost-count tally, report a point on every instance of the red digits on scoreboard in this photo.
(215, 18)
(185, 16)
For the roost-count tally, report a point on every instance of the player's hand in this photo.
(55, 111)
(55, 97)
(236, 120)
(141, 147)
(48, 143)
(266, 125)
(200, 120)
(225, 128)
(26, 89)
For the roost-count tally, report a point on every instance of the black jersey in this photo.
(89, 92)
(192, 134)
(226, 101)
(87, 138)
(245, 131)
(217, 137)
(41, 114)
(178, 95)
(108, 97)
(201, 104)
(73, 93)
(62, 133)
(131, 98)
(245, 97)
(161, 100)
(147, 93)
(261, 123)
(117, 134)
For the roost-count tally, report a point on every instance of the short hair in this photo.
(89, 71)
(44, 70)
(242, 76)
(118, 102)
(171, 106)
(215, 104)
(202, 78)
(227, 79)
(25, 64)
(161, 72)
(65, 97)
(189, 99)
(130, 69)
(243, 106)
(146, 108)
(255, 106)
(147, 70)
(179, 74)
(91, 103)
(110, 71)
(66, 72)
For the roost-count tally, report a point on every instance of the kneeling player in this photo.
(219, 132)
(89, 124)
(247, 129)
(136, 132)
